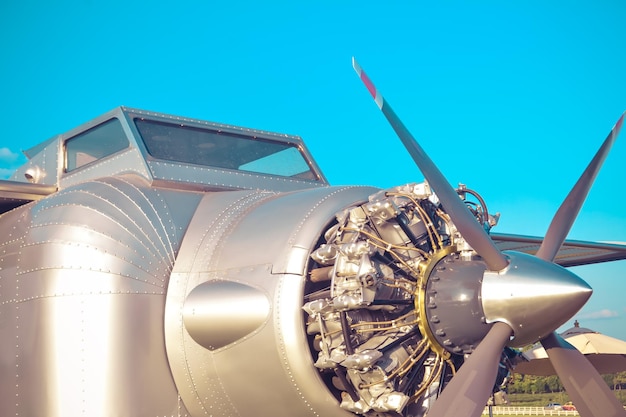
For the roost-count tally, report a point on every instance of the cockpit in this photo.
(220, 149)
(171, 151)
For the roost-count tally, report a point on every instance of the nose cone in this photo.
(532, 296)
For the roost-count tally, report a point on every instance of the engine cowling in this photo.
(234, 322)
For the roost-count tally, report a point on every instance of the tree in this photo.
(619, 380)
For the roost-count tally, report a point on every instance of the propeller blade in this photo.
(565, 216)
(581, 380)
(584, 385)
(471, 230)
(468, 391)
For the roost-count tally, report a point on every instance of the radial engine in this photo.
(388, 322)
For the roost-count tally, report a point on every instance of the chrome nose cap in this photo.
(532, 296)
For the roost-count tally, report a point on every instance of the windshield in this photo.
(192, 145)
(94, 144)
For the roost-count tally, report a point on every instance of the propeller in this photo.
(582, 382)
(468, 391)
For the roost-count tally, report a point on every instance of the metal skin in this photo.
(134, 282)
(254, 244)
(84, 274)
(532, 296)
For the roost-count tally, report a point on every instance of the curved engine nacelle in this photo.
(234, 323)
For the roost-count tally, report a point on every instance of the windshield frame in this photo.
(218, 148)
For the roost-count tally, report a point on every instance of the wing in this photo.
(14, 194)
(572, 253)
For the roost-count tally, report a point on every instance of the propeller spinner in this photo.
(470, 300)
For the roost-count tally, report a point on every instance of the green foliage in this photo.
(530, 384)
(537, 400)
(537, 391)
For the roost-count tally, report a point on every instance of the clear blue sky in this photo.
(511, 98)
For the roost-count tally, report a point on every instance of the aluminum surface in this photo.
(532, 296)
(260, 240)
(84, 274)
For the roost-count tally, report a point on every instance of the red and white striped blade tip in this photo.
(378, 98)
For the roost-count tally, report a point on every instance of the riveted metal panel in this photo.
(222, 179)
(83, 279)
(260, 240)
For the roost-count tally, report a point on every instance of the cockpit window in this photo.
(214, 148)
(95, 143)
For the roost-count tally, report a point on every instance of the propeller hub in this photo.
(450, 311)
(534, 297)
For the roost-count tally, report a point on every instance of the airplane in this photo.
(156, 265)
